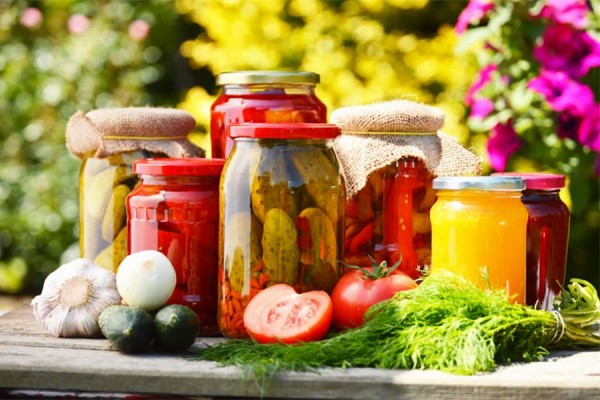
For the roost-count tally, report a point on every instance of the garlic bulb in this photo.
(73, 297)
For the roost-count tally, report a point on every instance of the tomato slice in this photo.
(279, 314)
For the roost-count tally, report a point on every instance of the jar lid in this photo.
(179, 166)
(538, 180)
(491, 183)
(284, 131)
(256, 77)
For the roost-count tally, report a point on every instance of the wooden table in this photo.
(31, 359)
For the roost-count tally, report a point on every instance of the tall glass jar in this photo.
(282, 212)
(263, 96)
(480, 223)
(175, 210)
(388, 219)
(547, 236)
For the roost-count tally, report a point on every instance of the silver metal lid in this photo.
(257, 77)
(492, 183)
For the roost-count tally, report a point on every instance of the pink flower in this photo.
(572, 12)
(564, 49)
(473, 13)
(31, 17)
(502, 144)
(485, 76)
(138, 30)
(78, 23)
(589, 129)
(481, 108)
(563, 93)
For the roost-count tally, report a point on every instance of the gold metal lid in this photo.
(257, 77)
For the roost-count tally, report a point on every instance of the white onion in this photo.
(146, 279)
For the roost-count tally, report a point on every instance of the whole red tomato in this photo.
(360, 288)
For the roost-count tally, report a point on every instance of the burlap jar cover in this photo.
(378, 141)
(108, 141)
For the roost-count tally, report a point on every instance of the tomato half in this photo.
(279, 314)
(355, 293)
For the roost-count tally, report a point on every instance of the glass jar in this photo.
(282, 213)
(388, 219)
(263, 96)
(547, 236)
(480, 223)
(104, 184)
(175, 210)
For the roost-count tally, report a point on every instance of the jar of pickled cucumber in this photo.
(479, 231)
(281, 219)
(263, 96)
(175, 210)
(108, 141)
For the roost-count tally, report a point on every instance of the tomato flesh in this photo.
(354, 294)
(278, 314)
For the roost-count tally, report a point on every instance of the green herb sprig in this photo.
(447, 324)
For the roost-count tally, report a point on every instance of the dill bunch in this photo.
(446, 324)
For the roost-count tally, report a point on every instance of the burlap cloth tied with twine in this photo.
(376, 135)
(103, 132)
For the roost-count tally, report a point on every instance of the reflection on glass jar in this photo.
(480, 223)
(263, 96)
(388, 218)
(547, 236)
(282, 210)
(175, 210)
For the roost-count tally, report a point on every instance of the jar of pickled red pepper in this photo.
(175, 210)
(547, 236)
(388, 219)
(282, 213)
(263, 96)
(479, 231)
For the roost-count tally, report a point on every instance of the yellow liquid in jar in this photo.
(472, 229)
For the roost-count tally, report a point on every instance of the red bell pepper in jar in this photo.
(175, 210)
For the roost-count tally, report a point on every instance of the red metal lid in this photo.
(538, 180)
(179, 166)
(284, 131)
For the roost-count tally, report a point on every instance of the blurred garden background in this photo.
(518, 80)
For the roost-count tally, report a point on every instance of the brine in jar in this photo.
(282, 211)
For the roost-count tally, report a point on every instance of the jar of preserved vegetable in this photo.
(479, 230)
(547, 236)
(282, 213)
(390, 153)
(108, 141)
(263, 96)
(175, 210)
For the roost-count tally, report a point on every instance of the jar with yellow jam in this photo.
(480, 224)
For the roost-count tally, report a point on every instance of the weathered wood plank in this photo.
(29, 358)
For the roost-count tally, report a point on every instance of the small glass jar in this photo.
(282, 213)
(175, 210)
(547, 236)
(477, 223)
(388, 219)
(104, 184)
(263, 96)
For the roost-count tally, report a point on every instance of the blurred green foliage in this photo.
(51, 65)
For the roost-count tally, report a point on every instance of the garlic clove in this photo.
(72, 298)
